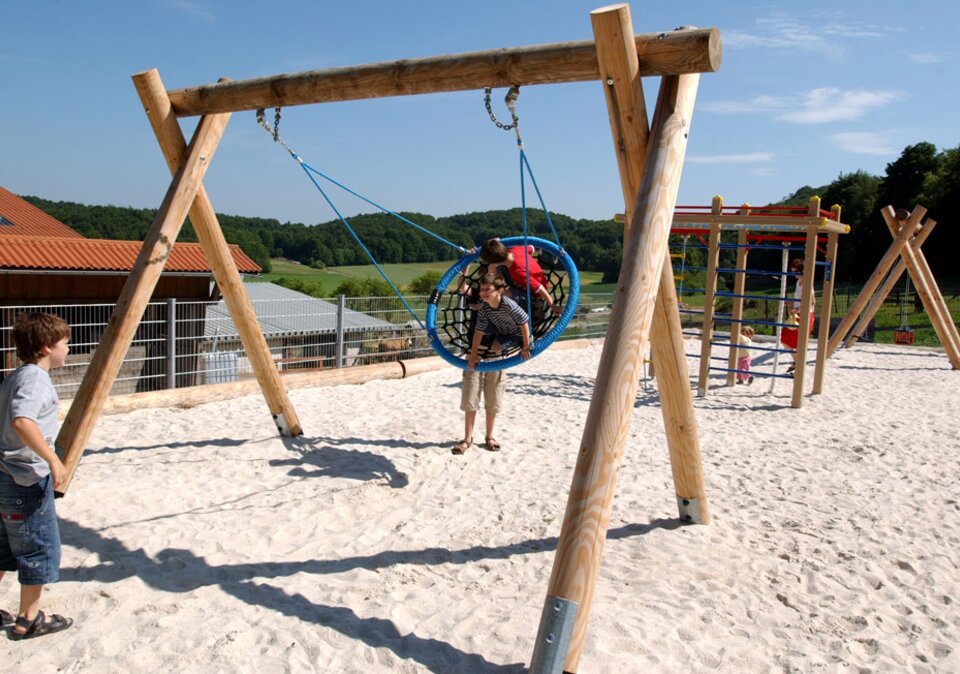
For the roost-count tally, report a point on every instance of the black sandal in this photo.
(6, 619)
(39, 626)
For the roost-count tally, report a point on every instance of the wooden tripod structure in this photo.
(650, 160)
(785, 223)
(904, 254)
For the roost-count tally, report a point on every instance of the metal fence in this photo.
(179, 344)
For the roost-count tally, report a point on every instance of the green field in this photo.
(400, 274)
(887, 319)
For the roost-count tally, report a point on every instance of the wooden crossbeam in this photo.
(136, 293)
(671, 53)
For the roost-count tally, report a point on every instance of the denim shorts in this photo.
(29, 533)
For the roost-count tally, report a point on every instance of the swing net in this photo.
(452, 308)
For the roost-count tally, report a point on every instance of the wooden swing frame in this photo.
(650, 159)
(904, 254)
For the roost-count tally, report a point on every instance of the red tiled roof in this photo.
(80, 254)
(28, 220)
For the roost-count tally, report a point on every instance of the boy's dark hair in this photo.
(797, 264)
(493, 252)
(493, 279)
(36, 330)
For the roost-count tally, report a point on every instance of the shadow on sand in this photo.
(177, 570)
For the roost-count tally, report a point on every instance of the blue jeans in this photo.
(29, 533)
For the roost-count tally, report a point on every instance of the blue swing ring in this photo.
(539, 344)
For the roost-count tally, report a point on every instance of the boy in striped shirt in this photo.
(499, 316)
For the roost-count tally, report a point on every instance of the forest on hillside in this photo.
(922, 174)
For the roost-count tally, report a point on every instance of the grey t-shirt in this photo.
(29, 393)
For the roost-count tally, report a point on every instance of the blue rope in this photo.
(307, 166)
(357, 239)
(524, 160)
(526, 238)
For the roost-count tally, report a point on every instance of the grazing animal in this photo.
(391, 348)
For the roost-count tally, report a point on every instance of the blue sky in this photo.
(806, 91)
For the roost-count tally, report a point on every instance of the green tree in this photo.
(424, 284)
(367, 287)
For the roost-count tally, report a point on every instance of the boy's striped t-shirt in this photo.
(507, 318)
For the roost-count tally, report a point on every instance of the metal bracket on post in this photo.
(282, 425)
(690, 510)
(553, 636)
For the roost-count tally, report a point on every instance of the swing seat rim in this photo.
(537, 346)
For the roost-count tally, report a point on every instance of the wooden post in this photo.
(928, 295)
(582, 536)
(739, 285)
(136, 293)
(669, 53)
(170, 138)
(709, 299)
(826, 305)
(876, 278)
(622, 86)
(807, 301)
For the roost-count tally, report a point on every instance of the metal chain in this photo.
(275, 131)
(511, 101)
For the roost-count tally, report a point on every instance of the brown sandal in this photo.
(462, 446)
(492, 445)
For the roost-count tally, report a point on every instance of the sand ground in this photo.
(195, 540)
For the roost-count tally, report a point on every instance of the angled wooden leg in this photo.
(585, 522)
(623, 90)
(929, 294)
(156, 103)
(873, 283)
(896, 272)
(136, 293)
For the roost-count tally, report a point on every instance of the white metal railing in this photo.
(179, 344)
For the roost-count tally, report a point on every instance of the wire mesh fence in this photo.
(179, 344)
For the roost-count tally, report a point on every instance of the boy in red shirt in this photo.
(493, 252)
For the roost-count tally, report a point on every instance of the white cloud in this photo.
(189, 7)
(865, 142)
(817, 106)
(830, 104)
(777, 31)
(755, 104)
(812, 33)
(748, 158)
(925, 58)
